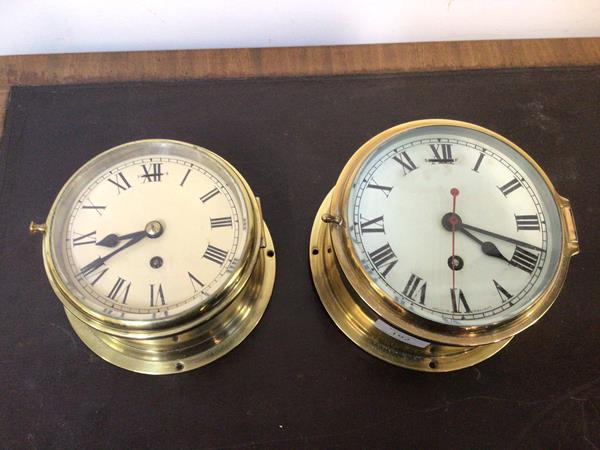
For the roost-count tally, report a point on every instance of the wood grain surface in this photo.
(292, 61)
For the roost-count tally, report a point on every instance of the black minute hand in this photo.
(499, 236)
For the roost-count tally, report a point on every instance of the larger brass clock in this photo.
(439, 242)
(159, 253)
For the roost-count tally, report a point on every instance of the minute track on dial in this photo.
(111, 250)
(449, 163)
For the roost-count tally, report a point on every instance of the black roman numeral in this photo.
(404, 160)
(478, 163)
(524, 259)
(527, 222)
(413, 283)
(185, 177)
(373, 226)
(384, 259)
(98, 209)
(195, 282)
(459, 304)
(220, 222)
(206, 197)
(116, 290)
(509, 187)
(215, 255)
(85, 239)
(385, 189)
(120, 182)
(445, 157)
(503, 293)
(157, 295)
(152, 172)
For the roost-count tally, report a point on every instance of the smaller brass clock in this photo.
(159, 253)
(439, 242)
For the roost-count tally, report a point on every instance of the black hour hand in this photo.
(490, 249)
(487, 247)
(112, 240)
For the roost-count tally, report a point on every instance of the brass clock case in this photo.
(378, 324)
(185, 341)
(199, 345)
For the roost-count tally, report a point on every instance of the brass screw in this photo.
(35, 228)
(330, 218)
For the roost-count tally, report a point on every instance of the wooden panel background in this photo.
(292, 61)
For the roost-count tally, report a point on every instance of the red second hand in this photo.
(453, 221)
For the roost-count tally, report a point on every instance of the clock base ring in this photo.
(371, 332)
(198, 346)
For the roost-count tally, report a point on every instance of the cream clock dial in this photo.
(448, 235)
(181, 262)
(158, 239)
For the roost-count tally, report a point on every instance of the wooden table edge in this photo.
(292, 61)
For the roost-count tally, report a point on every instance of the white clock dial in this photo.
(150, 235)
(454, 225)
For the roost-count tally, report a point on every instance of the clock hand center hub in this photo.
(451, 221)
(154, 229)
(455, 262)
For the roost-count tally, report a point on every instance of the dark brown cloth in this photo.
(296, 381)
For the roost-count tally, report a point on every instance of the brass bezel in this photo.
(83, 317)
(359, 322)
(384, 306)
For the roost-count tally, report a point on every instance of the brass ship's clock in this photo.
(439, 242)
(159, 253)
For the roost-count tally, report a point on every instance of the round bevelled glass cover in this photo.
(454, 225)
(149, 230)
